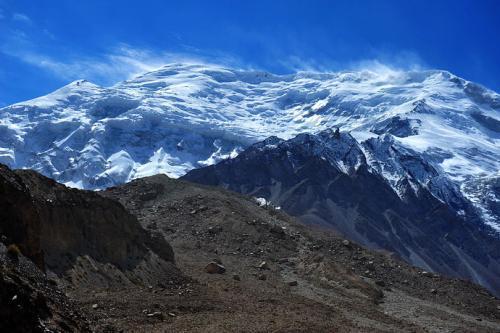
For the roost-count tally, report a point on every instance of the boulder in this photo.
(215, 268)
(156, 314)
(263, 265)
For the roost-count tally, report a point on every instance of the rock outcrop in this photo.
(79, 235)
(29, 302)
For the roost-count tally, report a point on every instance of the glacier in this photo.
(184, 116)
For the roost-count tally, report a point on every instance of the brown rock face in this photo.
(29, 302)
(63, 229)
(19, 218)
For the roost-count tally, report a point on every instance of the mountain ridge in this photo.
(185, 116)
(325, 179)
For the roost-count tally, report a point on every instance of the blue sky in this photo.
(45, 44)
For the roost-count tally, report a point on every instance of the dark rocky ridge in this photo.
(77, 234)
(397, 126)
(324, 180)
(29, 302)
(490, 123)
(19, 219)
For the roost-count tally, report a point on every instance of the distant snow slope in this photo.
(183, 116)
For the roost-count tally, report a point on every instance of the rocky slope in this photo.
(327, 179)
(241, 267)
(29, 302)
(77, 234)
(281, 276)
(184, 116)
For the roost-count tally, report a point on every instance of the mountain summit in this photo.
(184, 116)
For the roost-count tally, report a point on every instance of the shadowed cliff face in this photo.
(80, 234)
(326, 181)
(29, 302)
(19, 218)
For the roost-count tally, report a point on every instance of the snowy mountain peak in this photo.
(183, 116)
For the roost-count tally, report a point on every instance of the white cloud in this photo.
(118, 63)
(381, 62)
(107, 69)
(124, 62)
(403, 60)
(297, 64)
(121, 63)
(20, 17)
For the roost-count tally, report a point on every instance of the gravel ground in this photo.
(279, 275)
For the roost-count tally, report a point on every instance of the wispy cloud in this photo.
(20, 17)
(380, 61)
(124, 61)
(400, 60)
(296, 63)
(119, 63)
(35, 45)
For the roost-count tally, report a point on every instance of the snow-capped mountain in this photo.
(184, 116)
